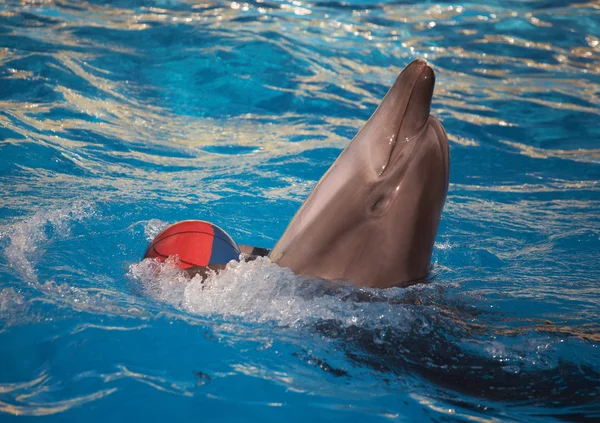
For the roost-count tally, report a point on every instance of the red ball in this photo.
(196, 243)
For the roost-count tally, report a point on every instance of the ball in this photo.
(196, 243)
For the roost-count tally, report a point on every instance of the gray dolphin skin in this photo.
(373, 217)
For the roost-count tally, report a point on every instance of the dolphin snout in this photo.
(418, 64)
(400, 117)
(419, 103)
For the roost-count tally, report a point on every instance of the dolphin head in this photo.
(373, 217)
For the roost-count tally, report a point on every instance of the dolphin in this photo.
(373, 217)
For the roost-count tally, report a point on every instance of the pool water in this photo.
(118, 118)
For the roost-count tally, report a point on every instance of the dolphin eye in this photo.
(379, 203)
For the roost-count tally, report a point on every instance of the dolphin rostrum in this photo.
(373, 217)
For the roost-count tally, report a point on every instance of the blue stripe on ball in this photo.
(224, 248)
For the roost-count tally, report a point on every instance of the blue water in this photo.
(118, 118)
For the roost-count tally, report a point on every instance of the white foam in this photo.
(260, 291)
(153, 227)
(28, 238)
(443, 245)
(12, 307)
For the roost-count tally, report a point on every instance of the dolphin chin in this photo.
(373, 217)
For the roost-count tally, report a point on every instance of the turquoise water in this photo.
(118, 118)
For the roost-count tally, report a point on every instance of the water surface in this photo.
(118, 118)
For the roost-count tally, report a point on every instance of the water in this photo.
(118, 118)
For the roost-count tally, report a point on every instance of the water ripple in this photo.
(117, 118)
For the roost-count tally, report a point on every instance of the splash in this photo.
(153, 227)
(263, 292)
(13, 308)
(28, 239)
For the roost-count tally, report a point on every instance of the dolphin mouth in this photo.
(415, 84)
